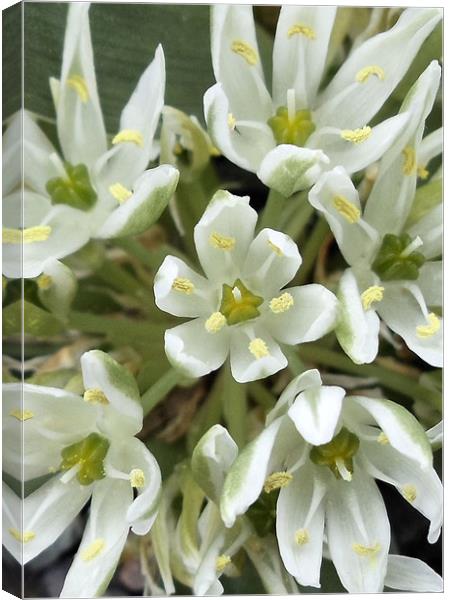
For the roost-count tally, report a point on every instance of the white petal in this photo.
(356, 519)
(430, 282)
(272, 261)
(63, 286)
(80, 123)
(308, 379)
(431, 146)
(103, 540)
(12, 507)
(430, 230)
(206, 581)
(123, 413)
(435, 433)
(202, 300)
(195, 351)
(298, 61)
(411, 575)
(37, 149)
(11, 154)
(289, 169)
(232, 218)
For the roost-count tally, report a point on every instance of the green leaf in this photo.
(36, 321)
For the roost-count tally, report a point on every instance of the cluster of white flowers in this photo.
(309, 474)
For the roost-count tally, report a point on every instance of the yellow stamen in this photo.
(222, 562)
(356, 136)
(120, 192)
(95, 396)
(282, 303)
(44, 282)
(365, 73)
(349, 210)
(93, 550)
(302, 537)
(277, 480)
(409, 160)
(221, 242)
(366, 550)
(244, 50)
(215, 322)
(258, 348)
(24, 537)
(432, 327)
(409, 492)
(301, 29)
(129, 135)
(78, 83)
(184, 285)
(21, 415)
(275, 248)
(375, 293)
(40, 233)
(382, 439)
(231, 121)
(423, 173)
(137, 478)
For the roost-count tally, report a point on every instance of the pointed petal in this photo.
(431, 146)
(12, 507)
(411, 575)
(267, 562)
(11, 154)
(308, 379)
(430, 282)
(58, 297)
(430, 230)
(37, 149)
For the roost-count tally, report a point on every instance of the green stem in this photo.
(299, 220)
(118, 278)
(295, 364)
(311, 249)
(209, 414)
(260, 394)
(234, 406)
(149, 258)
(127, 329)
(272, 213)
(160, 389)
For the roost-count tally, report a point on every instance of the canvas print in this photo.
(222, 299)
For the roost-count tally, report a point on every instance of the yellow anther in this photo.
(282, 303)
(120, 192)
(44, 282)
(349, 210)
(409, 492)
(423, 173)
(137, 478)
(215, 322)
(231, 121)
(40, 233)
(244, 50)
(221, 242)
(356, 136)
(21, 415)
(362, 550)
(222, 562)
(365, 73)
(432, 327)
(374, 293)
(78, 83)
(95, 396)
(302, 537)
(184, 285)
(409, 166)
(382, 439)
(258, 348)
(275, 248)
(277, 480)
(93, 550)
(129, 135)
(301, 29)
(24, 537)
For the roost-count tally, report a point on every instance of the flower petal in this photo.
(431, 146)
(12, 507)
(430, 230)
(308, 379)
(411, 575)
(58, 297)
(11, 154)
(430, 282)
(37, 150)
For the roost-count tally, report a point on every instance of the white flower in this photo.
(324, 450)
(241, 307)
(394, 271)
(289, 138)
(90, 447)
(92, 191)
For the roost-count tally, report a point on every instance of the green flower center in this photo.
(288, 129)
(398, 259)
(337, 454)
(89, 454)
(238, 304)
(74, 190)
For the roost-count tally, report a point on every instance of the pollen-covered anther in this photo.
(365, 73)
(409, 492)
(40, 233)
(93, 550)
(78, 83)
(120, 192)
(369, 551)
(215, 322)
(183, 285)
(44, 282)
(137, 478)
(222, 562)
(277, 480)
(221, 242)
(301, 29)
(128, 135)
(374, 293)
(346, 208)
(24, 537)
(356, 136)
(245, 50)
(409, 166)
(278, 251)
(422, 172)
(258, 348)
(302, 537)
(432, 327)
(21, 415)
(95, 396)
(231, 121)
(382, 439)
(282, 303)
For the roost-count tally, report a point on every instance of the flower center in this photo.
(397, 258)
(238, 304)
(291, 126)
(75, 189)
(337, 454)
(86, 458)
